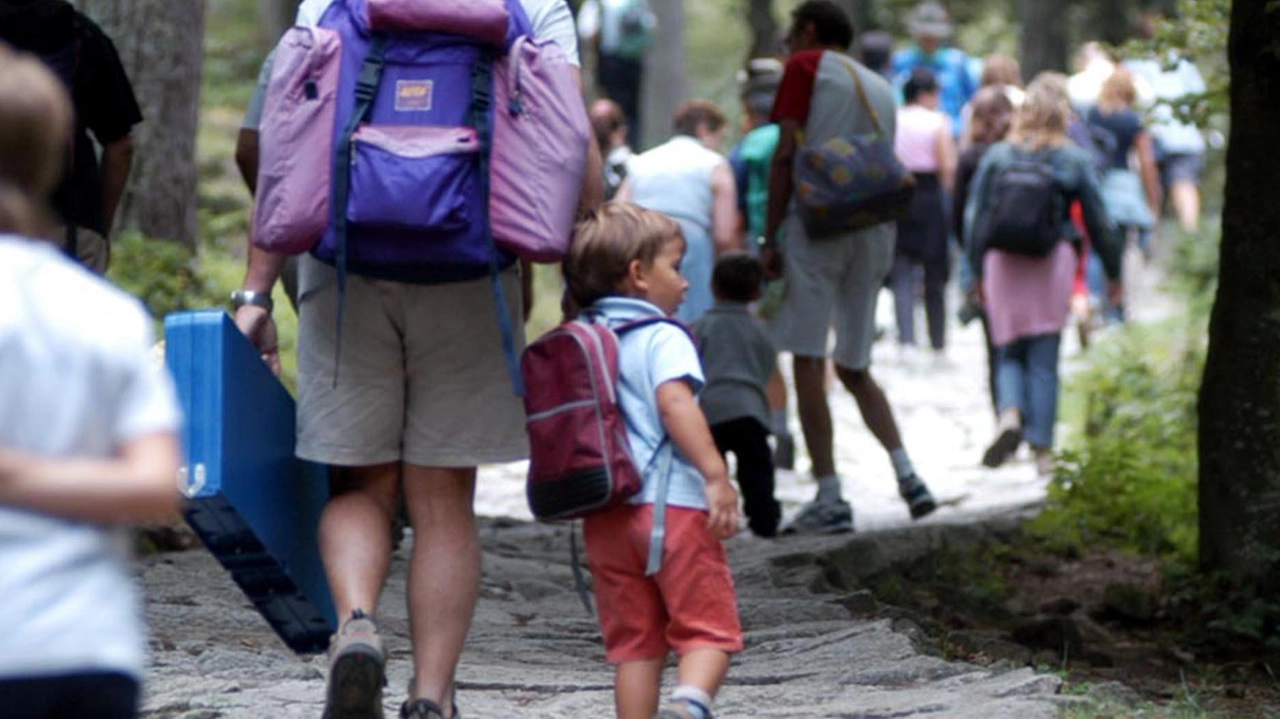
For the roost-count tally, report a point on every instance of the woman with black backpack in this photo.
(1018, 231)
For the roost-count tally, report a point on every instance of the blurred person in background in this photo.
(930, 27)
(925, 144)
(88, 439)
(609, 125)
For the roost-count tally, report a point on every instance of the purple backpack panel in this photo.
(541, 135)
(482, 19)
(415, 207)
(294, 170)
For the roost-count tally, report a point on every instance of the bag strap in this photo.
(862, 92)
(366, 88)
(481, 119)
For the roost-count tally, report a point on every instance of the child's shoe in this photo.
(919, 499)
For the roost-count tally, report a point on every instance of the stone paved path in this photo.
(535, 653)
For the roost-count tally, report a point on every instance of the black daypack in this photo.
(1025, 208)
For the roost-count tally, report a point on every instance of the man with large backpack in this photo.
(85, 59)
(403, 382)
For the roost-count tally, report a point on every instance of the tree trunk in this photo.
(161, 43)
(1044, 36)
(1239, 408)
(665, 85)
(764, 28)
(275, 17)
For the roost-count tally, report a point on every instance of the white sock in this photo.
(698, 701)
(829, 488)
(901, 464)
(778, 418)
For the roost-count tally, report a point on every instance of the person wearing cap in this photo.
(930, 26)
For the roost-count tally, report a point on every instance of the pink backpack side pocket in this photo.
(481, 19)
(295, 139)
(540, 139)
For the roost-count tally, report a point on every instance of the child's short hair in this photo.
(35, 123)
(737, 277)
(607, 241)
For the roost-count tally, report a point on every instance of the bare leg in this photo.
(444, 575)
(635, 688)
(815, 413)
(355, 535)
(1185, 197)
(704, 669)
(777, 391)
(873, 405)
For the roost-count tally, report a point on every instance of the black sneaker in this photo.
(357, 671)
(917, 496)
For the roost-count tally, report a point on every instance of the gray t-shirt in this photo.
(738, 359)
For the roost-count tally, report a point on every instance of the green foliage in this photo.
(1132, 481)
(1198, 30)
(162, 274)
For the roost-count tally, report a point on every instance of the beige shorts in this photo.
(422, 377)
(832, 283)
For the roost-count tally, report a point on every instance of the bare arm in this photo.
(724, 210)
(592, 195)
(780, 189)
(945, 148)
(136, 485)
(687, 426)
(117, 160)
(247, 158)
(1147, 169)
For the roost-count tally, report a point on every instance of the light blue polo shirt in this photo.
(648, 357)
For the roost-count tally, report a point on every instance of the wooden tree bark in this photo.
(1239, 433)
(1044, 36)
(161, 43)
(764, 28)
(665, 85)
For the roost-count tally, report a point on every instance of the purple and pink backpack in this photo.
(420, 141)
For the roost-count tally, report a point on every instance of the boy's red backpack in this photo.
(580, 459)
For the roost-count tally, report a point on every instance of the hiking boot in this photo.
(1008, 437)
(822, 518)
(919, 499)
(357, 664)
(784, 452)
(425, 709)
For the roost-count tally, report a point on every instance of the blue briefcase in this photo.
(251, 501)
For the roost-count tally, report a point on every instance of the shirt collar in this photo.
(624, 309)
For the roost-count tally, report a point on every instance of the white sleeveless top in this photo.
(917, 140)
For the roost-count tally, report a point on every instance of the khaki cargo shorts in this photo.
(422, 377)
(832, 283)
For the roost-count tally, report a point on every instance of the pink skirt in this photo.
(1028, 296)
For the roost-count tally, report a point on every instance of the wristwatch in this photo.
(240, 298)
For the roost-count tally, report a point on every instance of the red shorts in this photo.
(690, 603)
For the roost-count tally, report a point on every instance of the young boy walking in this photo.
(624, 265)
(739, 359)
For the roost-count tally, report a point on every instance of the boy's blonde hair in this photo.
(605, 244)
(35, 123)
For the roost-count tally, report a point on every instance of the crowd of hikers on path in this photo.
(409, 162)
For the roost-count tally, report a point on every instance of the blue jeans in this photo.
(1027, 380)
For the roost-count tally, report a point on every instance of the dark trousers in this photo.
(100, 695)
(748, 440)
(619, 80)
